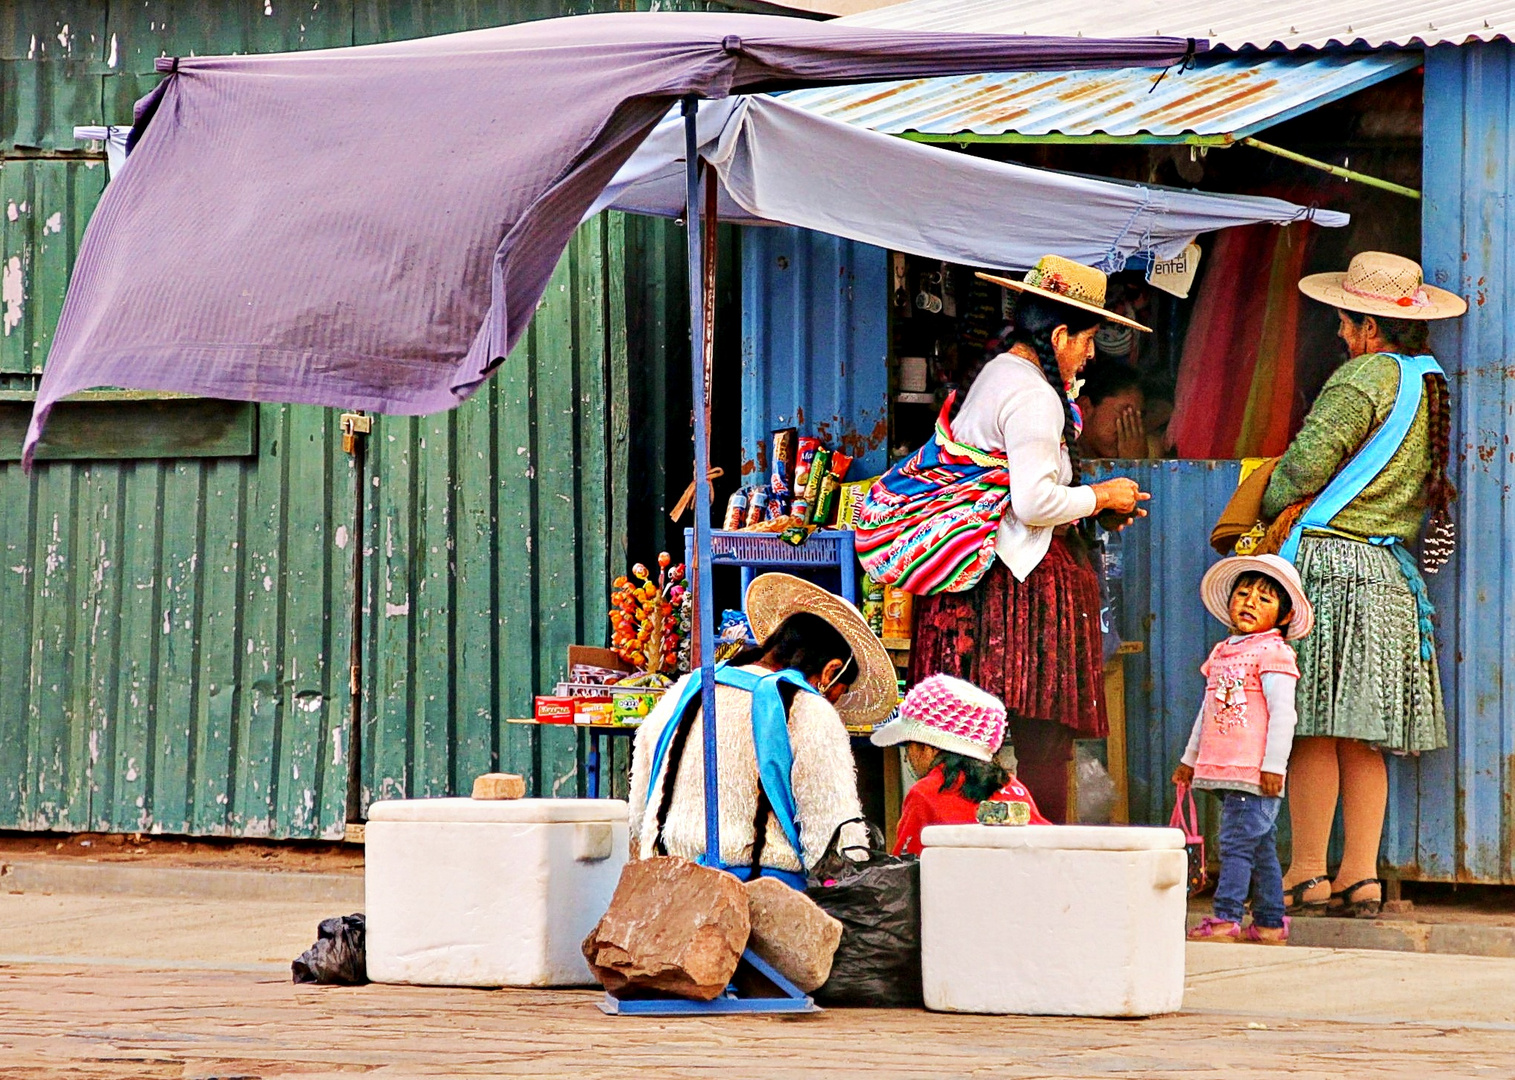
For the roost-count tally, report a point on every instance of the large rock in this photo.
(791, 932)
(674, 927)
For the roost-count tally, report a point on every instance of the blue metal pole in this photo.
(699, 558)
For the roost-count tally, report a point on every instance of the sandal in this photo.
(1212, 929)
(1342, 906)
(1267, 935)
(1295, 902)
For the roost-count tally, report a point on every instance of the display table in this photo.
(1061, 920)
(464, 892)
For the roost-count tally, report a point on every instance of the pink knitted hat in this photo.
(949, 714)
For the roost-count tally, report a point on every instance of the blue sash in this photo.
(770, 739)
(1361, 471)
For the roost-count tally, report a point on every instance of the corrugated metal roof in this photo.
(1218, 97)
(1293, 24)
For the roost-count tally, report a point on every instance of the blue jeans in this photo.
(1249, 858)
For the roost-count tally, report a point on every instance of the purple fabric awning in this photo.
(373, 227)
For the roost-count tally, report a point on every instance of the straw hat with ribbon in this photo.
(1067, 282)
(772, 598)
(1391, 286)
(1215, 589)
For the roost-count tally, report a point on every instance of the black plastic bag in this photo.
(339, 957)
(877, 900)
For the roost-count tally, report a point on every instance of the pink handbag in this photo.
(1186, 817)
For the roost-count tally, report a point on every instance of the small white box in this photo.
(489, 893)
(1053, 920)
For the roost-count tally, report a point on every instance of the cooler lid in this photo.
(521, 811)
(1059, 837)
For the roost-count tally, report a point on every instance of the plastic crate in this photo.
(825, 549)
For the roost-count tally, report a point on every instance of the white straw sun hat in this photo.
(1067, 282)
(772, 598)
(1391, 286)
(1215, 589)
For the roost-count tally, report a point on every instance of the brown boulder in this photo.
(499, 785)
(791, 932)
(673, 926)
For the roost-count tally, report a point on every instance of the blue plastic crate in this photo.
(825, 549)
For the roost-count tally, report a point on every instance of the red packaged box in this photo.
(554, 710)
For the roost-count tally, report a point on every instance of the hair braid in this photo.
(1441, 536)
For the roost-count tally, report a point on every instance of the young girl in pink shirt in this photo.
(1240, 744)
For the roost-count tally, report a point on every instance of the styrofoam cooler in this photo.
(488, 893)
(1056, 920)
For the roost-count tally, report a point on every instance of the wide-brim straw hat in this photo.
(1220, 579)
(1067, 282)
(1390, 286)
(772, 598)
(951, 715)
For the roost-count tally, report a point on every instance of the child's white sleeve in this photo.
(1278, 689)
(1191, 752)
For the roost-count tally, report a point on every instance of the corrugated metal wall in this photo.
(815, 335)
(176, 632)
(1452, 815)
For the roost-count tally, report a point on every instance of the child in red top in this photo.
(951, 730)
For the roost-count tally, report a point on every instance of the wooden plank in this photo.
(219, 628)
(1115, 742)
(392, 746)
(557, 526)
(176, 686)
(434, 729)
(17, 525)
(126, 430)
(476, 639)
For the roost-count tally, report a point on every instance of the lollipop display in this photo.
(647, 619)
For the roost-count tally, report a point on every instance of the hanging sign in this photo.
(1176, 275)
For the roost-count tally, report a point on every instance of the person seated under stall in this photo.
(951, 731)
(1112, 404)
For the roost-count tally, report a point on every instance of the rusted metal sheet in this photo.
(814, 344)
(1218, 99)
(1451, 810)
(1292, 24)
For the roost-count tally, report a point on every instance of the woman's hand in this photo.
(1130, 434)
(1120, 495)
(1183, 776)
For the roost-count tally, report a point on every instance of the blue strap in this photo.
(1375, 455)
(788, 877)
(1364, 467)
(770, 739)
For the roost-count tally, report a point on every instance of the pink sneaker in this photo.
(1267, 935)
(1211, 929)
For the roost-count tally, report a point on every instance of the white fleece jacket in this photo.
(824, 778)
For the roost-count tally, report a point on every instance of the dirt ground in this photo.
(271, 855)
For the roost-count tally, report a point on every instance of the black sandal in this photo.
(1295, 902)
(1345, 908)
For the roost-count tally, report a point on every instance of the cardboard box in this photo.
(632, 706)
(554, 710)
(588, 710)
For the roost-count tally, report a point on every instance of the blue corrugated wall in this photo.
(1451, 813)
(815, 334)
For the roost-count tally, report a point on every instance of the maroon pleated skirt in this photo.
(1036, 644)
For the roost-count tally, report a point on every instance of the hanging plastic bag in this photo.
(877, 899)
(339, 957)
(1185, 817)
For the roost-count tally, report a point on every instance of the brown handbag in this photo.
(1243, 513)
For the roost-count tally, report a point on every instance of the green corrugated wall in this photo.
(174, 633)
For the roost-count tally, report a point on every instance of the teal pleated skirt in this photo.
(1361, 675)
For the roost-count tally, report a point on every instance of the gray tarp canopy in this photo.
(372, 227)
(779, 164)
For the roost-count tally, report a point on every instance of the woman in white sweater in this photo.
(818, 664)
(1028, 632)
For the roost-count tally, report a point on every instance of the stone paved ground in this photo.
(134, 987)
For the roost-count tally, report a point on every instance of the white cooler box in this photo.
(488, 893)
(1055, 920)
